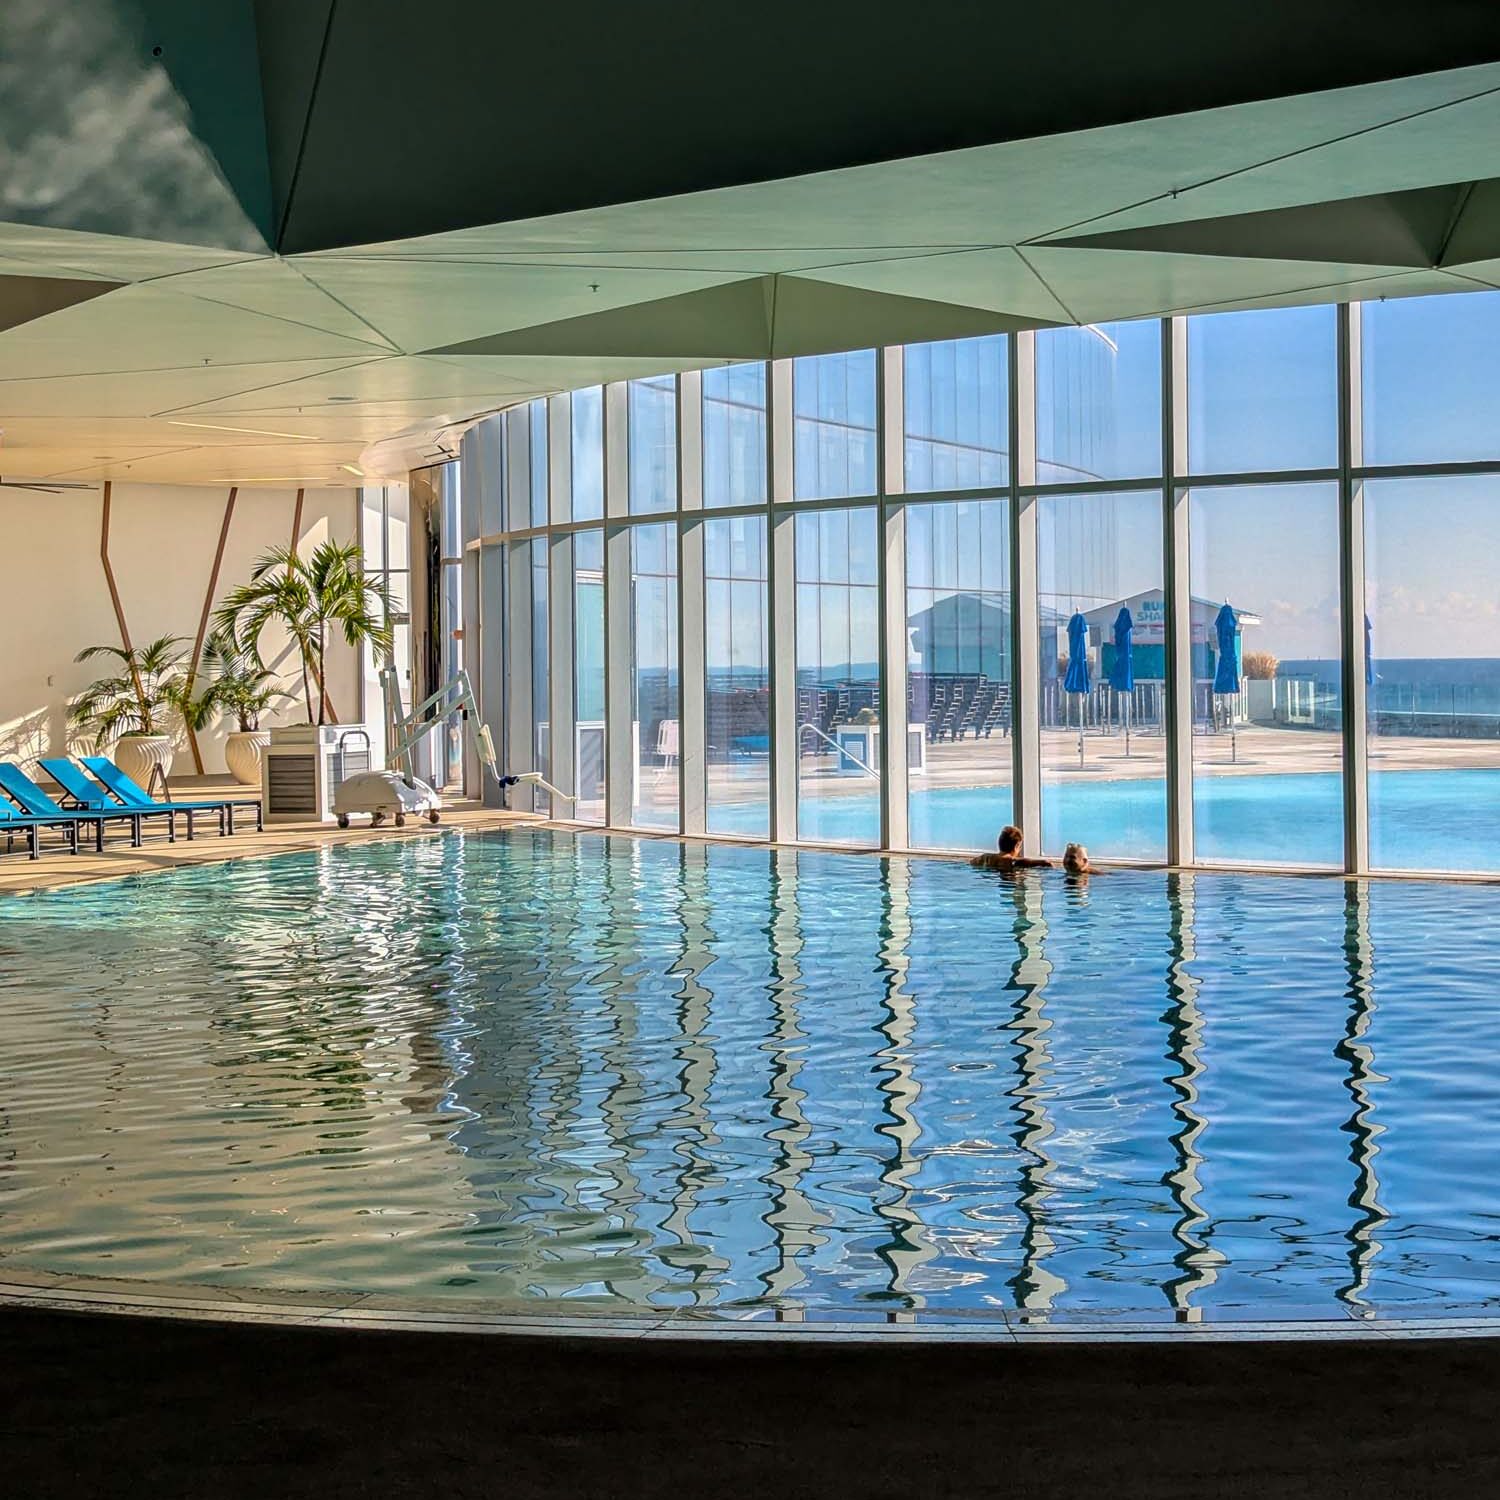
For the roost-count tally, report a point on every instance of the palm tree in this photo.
(310, 597)
(240, 689)
(138, 700)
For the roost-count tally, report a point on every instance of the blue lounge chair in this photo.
(84, 795)
(12, 823)
(135, 797)
(35, 803)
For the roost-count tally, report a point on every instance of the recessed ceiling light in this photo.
(343, 398)
(353, 469)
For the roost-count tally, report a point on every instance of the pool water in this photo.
(537, 1065)
(1419, 820)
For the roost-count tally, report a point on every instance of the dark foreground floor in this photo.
(124, 1406)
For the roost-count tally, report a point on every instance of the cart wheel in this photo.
(343, 820)
(376, 819)
(432, 817)
(400, 820)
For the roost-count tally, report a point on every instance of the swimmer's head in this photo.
(1010, 839)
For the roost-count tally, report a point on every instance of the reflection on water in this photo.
(639, 1073)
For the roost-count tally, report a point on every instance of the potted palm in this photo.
(239, 691)
(312, 599)
(132, 710)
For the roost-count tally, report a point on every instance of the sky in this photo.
(1263, 396)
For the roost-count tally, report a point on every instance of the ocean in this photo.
(1418, 684)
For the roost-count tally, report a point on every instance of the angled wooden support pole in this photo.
(208, 604)
(114, 592)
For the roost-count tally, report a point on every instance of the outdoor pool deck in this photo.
(1258, 750)
(57, 867)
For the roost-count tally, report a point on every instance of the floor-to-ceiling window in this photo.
(737, 676)
(838, 678)
(656, 725)
(588, 674)
(652, 412)
(958, 671)
(734, 435)
(1267, 715)
(1103, 761)
(1432, 580)
(587, 439)
(1098, 403)
(541, 677)
(834, 559)
(1431, 395)
(957, 414)
(833, 442)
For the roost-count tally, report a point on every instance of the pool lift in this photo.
(398, 792)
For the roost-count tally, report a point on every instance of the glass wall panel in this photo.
(588, 673)
(656, 721)
(1262, 390)
(957, 397)
(541, 682)
(1098, 402)
(738, 679)
(958, 672)
(537, 413)
(838, 686)
(734, 435)
(1431, 379)
(1432, 574)
(588, 453)
(1267, 704)
(517, 496)
(833, 403)
(652, 407)
(1102, 729)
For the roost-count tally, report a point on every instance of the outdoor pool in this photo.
(541, 1066)
(1419, 820)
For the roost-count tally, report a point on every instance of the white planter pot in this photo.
(242, 754)
(138, 755)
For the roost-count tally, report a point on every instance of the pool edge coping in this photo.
(176, 1302)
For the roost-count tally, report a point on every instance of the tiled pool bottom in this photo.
(709, 1080)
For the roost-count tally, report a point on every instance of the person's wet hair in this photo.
(1010, 839)
(1076, 859)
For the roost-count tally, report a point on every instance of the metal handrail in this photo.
(838, 748)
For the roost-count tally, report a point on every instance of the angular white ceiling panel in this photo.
(1000, 280)
(425, 305)
(1100, 285)
(1453, 143)
(352, 347)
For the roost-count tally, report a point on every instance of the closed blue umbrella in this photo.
(1227, 672)
(1077, 680)
(1369, 657)
(1122, 669)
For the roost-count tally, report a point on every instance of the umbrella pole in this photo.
(1128, 706)
(1079, 696)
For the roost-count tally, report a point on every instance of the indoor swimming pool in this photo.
(537, 1066)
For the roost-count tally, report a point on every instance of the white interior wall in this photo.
(54, 599)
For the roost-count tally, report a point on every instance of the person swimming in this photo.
(1008, 855)
(1076, 860)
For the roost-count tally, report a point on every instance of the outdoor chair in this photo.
(135, 797)
(32, 800)
(85, 795)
